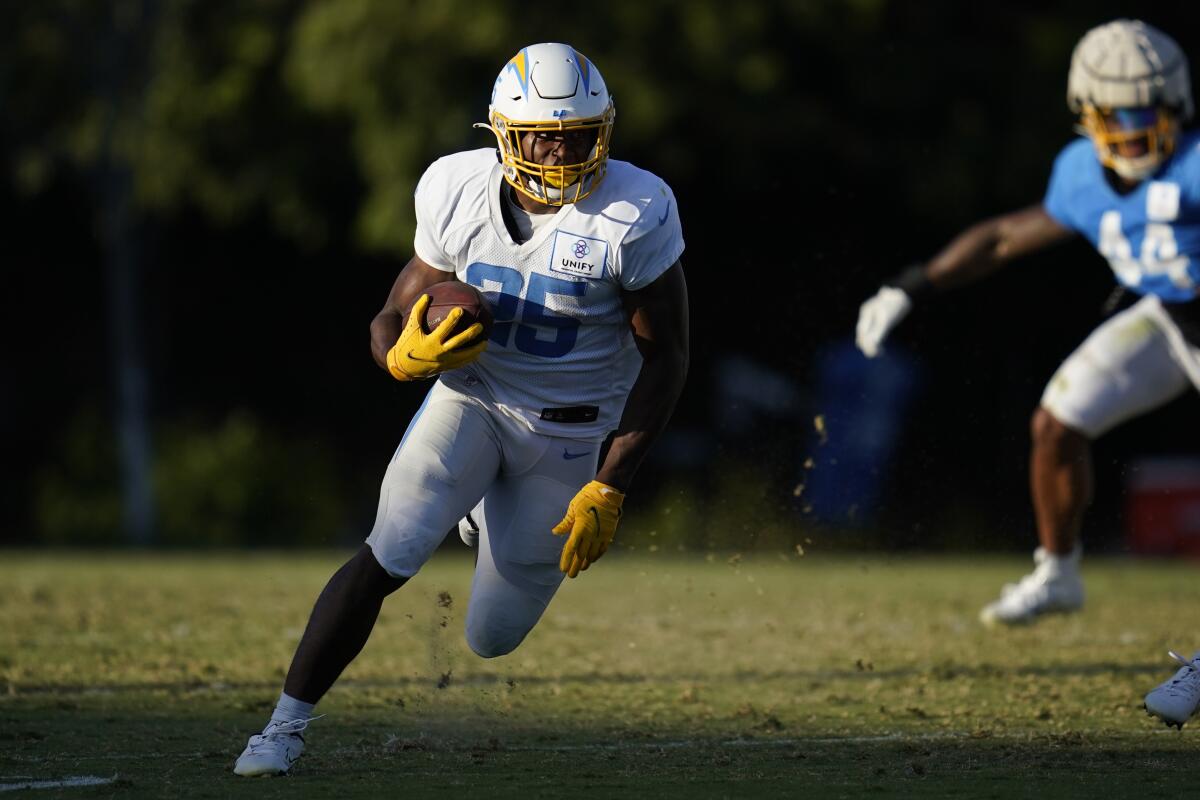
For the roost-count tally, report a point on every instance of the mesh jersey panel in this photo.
(561, 337)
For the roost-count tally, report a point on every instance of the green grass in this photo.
(649, 676)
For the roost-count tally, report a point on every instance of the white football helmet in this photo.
(1129, 84)
(551, 88)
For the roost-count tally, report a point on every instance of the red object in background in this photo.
(1162, 506)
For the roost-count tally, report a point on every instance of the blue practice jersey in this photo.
(1150, 236)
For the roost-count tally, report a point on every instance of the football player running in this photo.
(1130, 186)
(578, 255)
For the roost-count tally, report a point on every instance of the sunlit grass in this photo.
(652, 673)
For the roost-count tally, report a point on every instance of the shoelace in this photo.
(1180, 685)
(291, 728)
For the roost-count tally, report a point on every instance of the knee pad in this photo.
(489, 643)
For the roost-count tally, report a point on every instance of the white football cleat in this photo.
(273, 751)
(468, 531)
(1176, 700)
(1054, 587)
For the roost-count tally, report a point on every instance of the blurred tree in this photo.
(406, 75)
(254, 151)
(226, 482)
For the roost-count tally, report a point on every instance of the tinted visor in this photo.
(1130, 120)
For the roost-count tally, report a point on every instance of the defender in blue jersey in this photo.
(1130, 186)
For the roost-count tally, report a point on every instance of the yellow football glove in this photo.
(417, 354)
(591, 521)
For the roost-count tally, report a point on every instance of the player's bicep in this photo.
(412, 280)
(658, 315)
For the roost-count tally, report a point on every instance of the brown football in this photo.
(448, 295)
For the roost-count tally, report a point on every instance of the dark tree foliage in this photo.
(271, 150)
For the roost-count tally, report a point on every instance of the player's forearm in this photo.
(385, 330)
(413, 280)
(983, 248)
(975, 253)
(649, 407)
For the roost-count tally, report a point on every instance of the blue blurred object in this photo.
(860, 408)
(747, 392)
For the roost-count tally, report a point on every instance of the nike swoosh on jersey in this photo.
(569, 456)
(663, 219)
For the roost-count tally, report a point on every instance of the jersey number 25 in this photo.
(535, 316)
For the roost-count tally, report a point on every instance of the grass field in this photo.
(765, 677)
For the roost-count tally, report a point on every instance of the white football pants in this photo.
(1133, 363)
(462, 454)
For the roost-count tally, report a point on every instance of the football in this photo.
(447, 295)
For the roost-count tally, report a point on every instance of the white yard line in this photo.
(676, 744)
(65, 783)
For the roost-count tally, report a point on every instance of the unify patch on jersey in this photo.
(577, 255)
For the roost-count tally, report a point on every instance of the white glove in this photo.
(878, 316)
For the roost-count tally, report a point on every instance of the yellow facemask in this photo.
(557, 185)
(1132, 142)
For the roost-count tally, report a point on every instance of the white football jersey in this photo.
(561, 356)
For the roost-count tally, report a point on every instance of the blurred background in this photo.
(206, 202)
